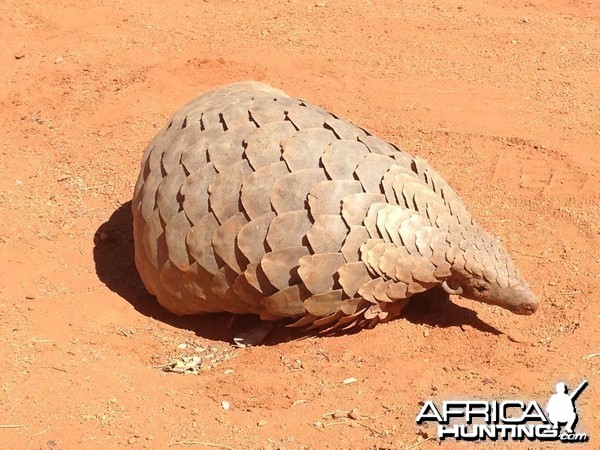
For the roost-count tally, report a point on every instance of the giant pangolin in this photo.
(250, 201)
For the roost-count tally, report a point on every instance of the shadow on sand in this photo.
(115, 267)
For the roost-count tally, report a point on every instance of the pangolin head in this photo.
(482, 270)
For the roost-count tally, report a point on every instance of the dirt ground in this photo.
(503, 99)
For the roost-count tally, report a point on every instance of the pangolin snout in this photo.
(518, 299)
(525, 302)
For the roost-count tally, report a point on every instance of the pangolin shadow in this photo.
(115, 267)
(435, 308)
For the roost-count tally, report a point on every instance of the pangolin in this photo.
(250, 201)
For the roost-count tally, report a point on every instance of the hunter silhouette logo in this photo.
(561, 406)
(509, 419)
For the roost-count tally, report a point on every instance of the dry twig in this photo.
(315, 427)
(205, 444)
(41, 432)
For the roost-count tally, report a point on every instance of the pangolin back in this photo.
(250, 201)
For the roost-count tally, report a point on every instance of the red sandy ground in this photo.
(501, 97)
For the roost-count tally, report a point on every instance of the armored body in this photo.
(250, 201)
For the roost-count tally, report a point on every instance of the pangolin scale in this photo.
(250, 201)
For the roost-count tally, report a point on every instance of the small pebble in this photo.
(228, 372)
(182, 346)
(261, 423)
(104, 236)
(225, 405)
(350, 380)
